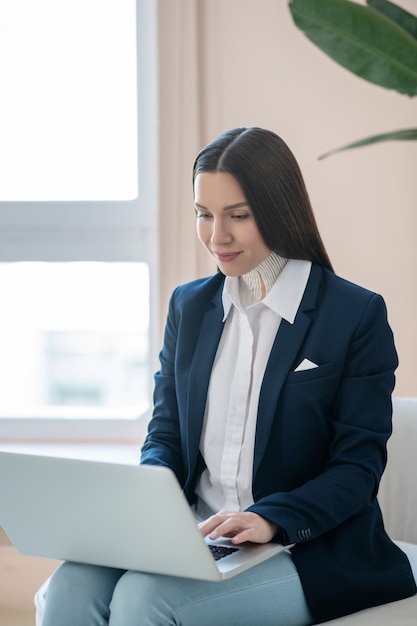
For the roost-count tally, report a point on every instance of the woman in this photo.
(273, 408)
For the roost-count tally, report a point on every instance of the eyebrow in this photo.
(230, 207)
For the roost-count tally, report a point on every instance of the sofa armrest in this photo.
(398, 493)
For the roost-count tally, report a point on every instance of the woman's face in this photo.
(225, 224)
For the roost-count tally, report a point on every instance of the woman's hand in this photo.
(239, 527)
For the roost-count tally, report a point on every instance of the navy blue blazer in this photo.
(320, 445)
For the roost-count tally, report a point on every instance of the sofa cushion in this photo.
(411, 551)
(397, 494)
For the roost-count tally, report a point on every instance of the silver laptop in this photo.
(125, 516)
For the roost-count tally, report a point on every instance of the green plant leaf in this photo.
(409, 134)
(403, 18)
(362, 40)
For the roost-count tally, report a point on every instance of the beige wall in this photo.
(254, 67)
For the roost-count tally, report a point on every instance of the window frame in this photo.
(112, 231)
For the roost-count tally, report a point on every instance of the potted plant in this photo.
(376, 41)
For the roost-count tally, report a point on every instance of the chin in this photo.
(229, 272)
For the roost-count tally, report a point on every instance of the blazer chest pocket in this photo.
(312, 374)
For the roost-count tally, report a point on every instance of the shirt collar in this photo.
(284, 297)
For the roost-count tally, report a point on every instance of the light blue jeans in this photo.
(87, 595)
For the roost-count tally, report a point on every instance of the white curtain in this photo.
(181, 37)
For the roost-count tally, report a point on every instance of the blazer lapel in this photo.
(284, 350)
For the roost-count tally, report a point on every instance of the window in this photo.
(78, 214)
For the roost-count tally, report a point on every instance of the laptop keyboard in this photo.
(219, 552)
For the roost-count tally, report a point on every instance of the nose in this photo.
(220, 234)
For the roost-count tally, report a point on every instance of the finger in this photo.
(228, 527)
(244, 535)
(210, 524)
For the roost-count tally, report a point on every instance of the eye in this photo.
(240, 217)
(202, 215)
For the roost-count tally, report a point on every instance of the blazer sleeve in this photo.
(359, 423)
(162, 445)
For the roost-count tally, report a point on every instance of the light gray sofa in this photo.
(398, 499)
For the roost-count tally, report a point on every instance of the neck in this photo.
(258, 282)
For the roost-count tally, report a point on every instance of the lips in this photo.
(226, 257)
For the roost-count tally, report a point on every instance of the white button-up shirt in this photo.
(228, 435)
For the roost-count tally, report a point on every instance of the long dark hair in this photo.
(271, 180)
